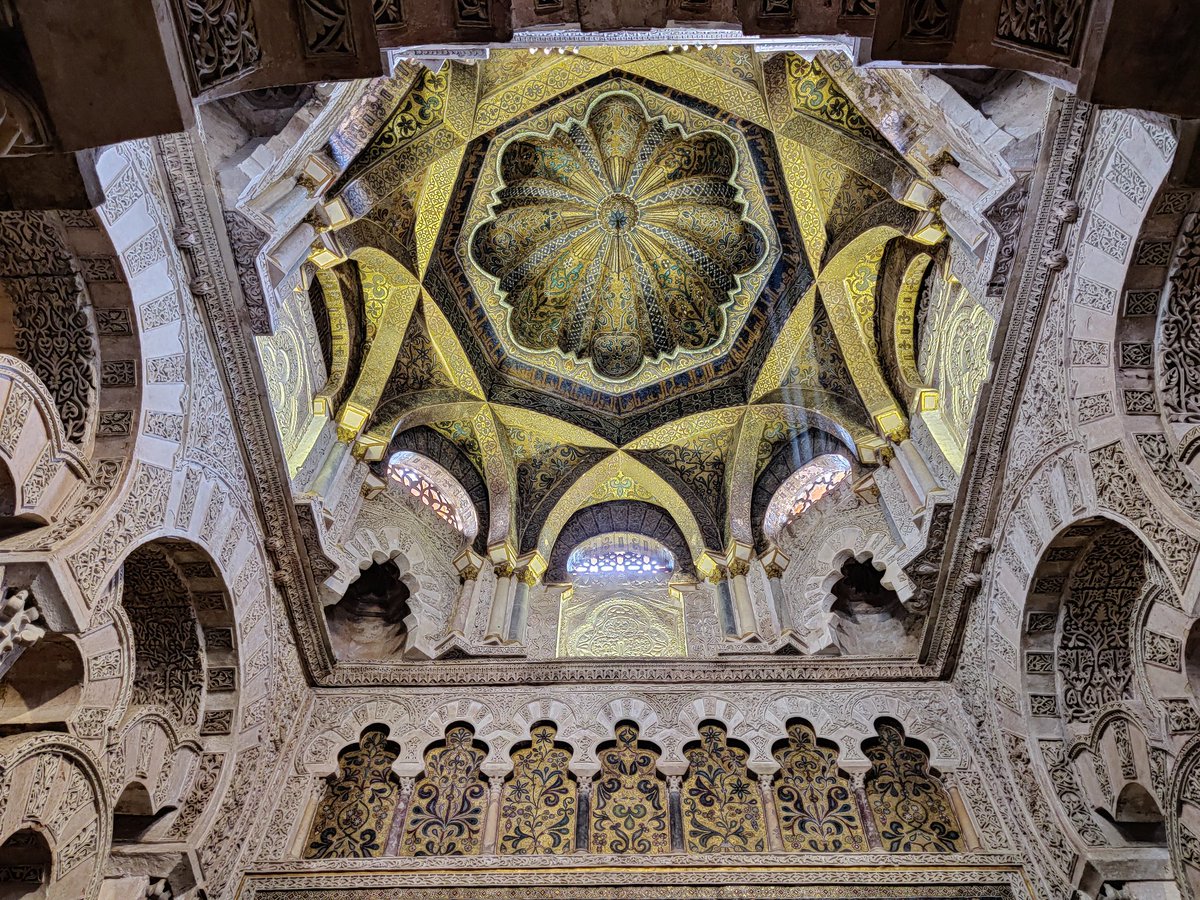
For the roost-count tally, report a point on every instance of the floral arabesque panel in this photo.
(446, 815)
(353, 818)
(911, 807)
(814, 800)
(629, 799)
(538, 805)
(722, 809)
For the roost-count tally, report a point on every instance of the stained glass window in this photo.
(428, 483)
(805, 487)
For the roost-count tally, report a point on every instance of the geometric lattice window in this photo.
(428, 483)
(805, 487)
(621, 602)
(620, 556)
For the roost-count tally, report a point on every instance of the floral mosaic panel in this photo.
(356, 812)
(538, 806)
(813, 799)
(629, 799)
(911, 807)
(721, 805)
(446, 815)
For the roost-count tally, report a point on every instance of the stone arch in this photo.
(71, 367)
(372, 619)
(926, 721)
(818, 576)
(1183, 818)
(43, 466)
(632, 516)
(185, 646)
(151, 768)
(801, 448)
(904, 274)
(319, 756)
(26, 865)
(425, 618)
(424, 440)
(54, 787)
(713, 708)
(48, 312)
(1086, 715)
(480, 717)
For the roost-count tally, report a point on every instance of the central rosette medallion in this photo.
(618, 237)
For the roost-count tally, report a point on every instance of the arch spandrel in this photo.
(620, 477)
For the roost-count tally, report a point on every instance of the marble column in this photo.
(858, 787)
(725, 611)
(783, 611)
(743, 606)
(466, 600)
(396, 833)
(675, 812)
(526, 578)
(583, 813)
(497, 628)
(491, 822)
(770, 813)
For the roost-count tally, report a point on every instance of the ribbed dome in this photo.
(617, 238)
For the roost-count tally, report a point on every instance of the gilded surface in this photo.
(722, 807)
(622, 205)
(617, 237)
(445, 817)
(356, 812)
(538, 804)
(629, 799)
(911, 808)
(635, 259)
(646, 623)
(813, 799)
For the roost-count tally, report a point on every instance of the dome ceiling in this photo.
(619, 275)
(619, 240)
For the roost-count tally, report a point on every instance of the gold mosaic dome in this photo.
(618, 238)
